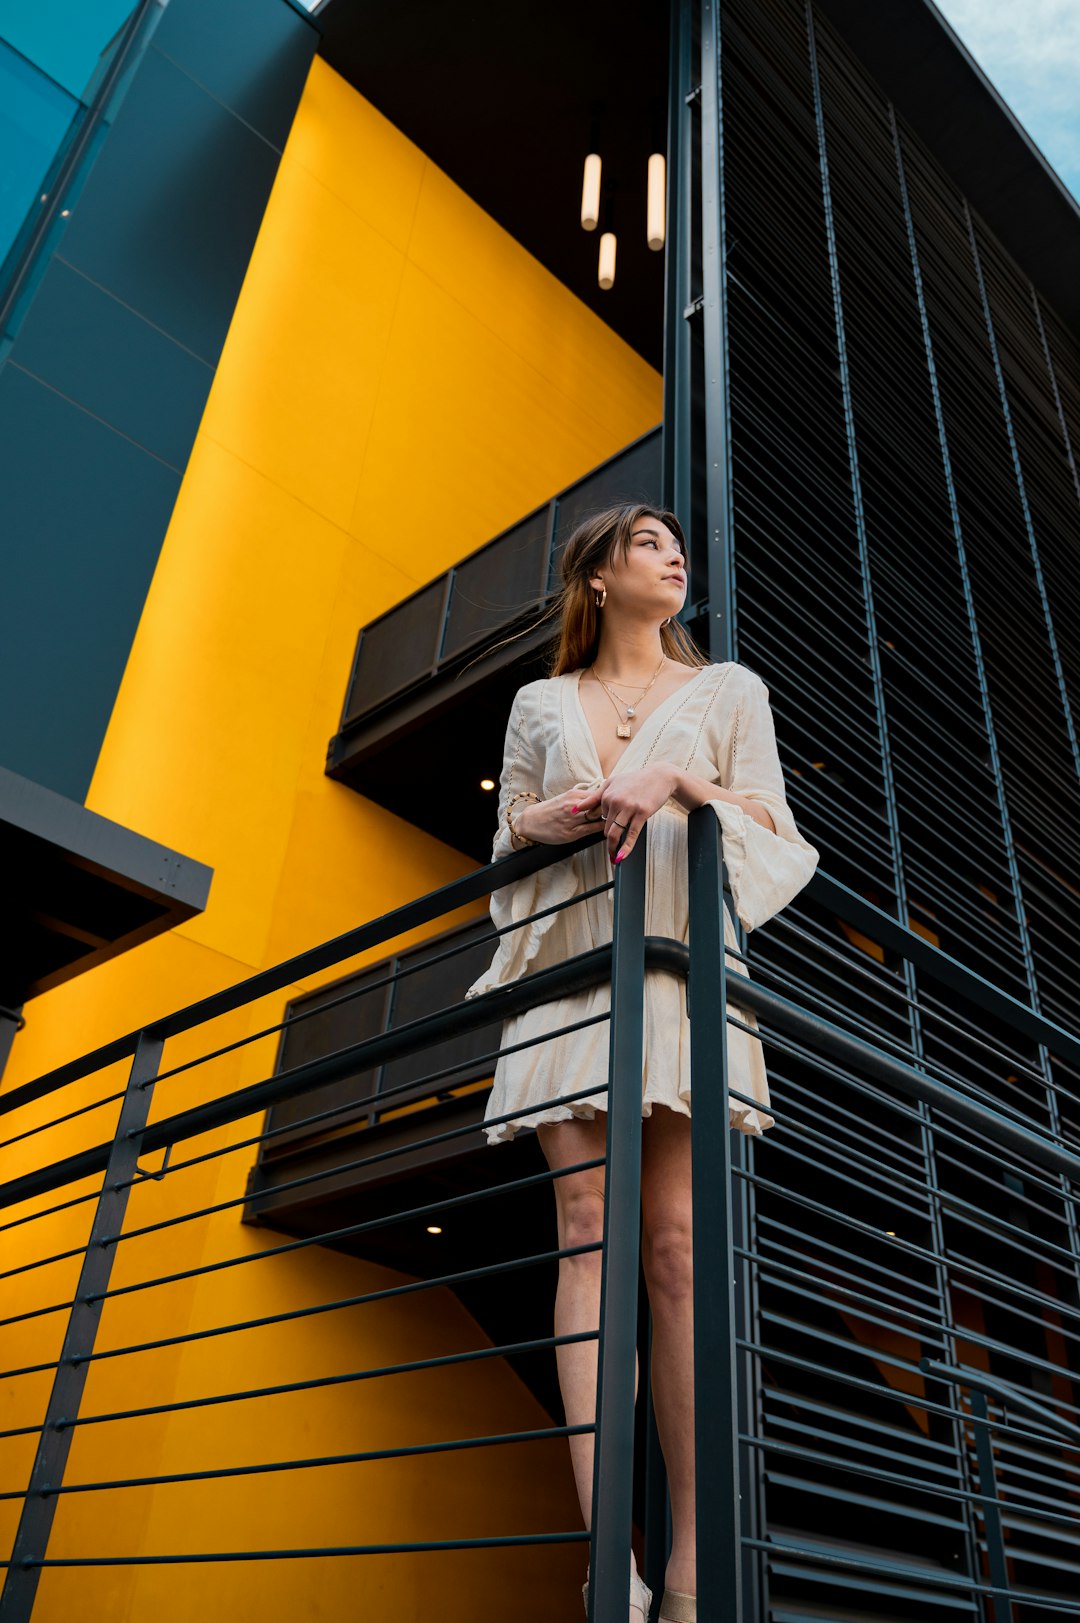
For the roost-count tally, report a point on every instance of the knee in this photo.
(581, 1219)
(668, 1260)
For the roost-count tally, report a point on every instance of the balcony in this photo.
(900, 1333)
(433, 678)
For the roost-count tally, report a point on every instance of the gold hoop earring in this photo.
(601, 598)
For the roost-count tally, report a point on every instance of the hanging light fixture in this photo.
(654, 228)
(606, 270)
(590, 193)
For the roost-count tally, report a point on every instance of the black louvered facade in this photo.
(905, 521)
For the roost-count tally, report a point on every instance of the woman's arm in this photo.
(631, 798)
(691, 792)
(535, 820)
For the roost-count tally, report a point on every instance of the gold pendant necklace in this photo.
(623, 728)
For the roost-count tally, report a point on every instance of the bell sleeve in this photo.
(522, 769)
(765, 870)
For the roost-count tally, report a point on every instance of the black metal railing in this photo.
(903, 1356)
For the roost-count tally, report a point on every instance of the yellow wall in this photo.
(401, 381)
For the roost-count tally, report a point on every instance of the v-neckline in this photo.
(647, 721)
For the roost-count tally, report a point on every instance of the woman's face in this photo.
(650, 581)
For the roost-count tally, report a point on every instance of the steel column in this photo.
(1021, 486)
(676, 443)
(995, 1542)
(54, 1444)
(716, 381)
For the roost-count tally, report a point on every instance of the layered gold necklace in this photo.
(623, 728)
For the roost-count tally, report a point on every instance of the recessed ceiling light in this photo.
(433, 1228)
(487, 783)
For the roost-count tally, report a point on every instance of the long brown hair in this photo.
(589, 548)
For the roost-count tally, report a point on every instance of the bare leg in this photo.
(579, 1205)
(667, 1258)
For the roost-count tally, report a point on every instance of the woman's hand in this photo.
(626, 803)
(552, 822)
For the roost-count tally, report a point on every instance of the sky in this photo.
(1030, 51)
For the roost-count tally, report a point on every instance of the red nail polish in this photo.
(573, 809)
(620, 856)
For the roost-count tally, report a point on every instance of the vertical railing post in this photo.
(995, 1541)
(676, 456)
(613, 1469)
(54, 1444)
(716, 1409)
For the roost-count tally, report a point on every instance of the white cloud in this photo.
(1030, 51)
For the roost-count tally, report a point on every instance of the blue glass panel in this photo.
(173, 205)
(64, 37)
(84, 514)
(97, 352)
(34, 117)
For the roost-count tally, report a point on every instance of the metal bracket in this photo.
(692, 96)
(140, 1172)
(693, 308)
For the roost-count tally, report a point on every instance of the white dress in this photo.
(717, 725)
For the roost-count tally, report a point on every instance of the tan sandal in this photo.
(640, 1596)
(676, 1608)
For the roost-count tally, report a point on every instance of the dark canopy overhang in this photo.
(80, 889)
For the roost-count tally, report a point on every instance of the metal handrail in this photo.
(718, 1349)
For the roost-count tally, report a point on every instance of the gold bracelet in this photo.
(517, 839)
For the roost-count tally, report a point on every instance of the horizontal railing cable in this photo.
(401, 921)
(315, 1383)
(361, 1163)
(393, 978)
(274, 1467)
(322, 1117)
(463, 1276)
(286, 1248)
(328, 1551)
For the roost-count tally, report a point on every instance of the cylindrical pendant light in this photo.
(654, 228)
(590, 193)
(606, 274)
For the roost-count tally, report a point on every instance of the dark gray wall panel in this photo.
(171, 210)
(89, 509)
(214, 43)
(105, 357)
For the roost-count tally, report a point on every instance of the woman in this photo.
(633, 726)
